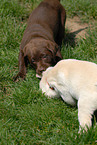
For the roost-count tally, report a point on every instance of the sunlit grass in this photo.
(27, 116)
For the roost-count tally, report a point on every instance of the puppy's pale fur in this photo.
(73, 80)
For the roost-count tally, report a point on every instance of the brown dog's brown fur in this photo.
(43, 35)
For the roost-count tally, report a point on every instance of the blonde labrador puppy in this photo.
(73, 80)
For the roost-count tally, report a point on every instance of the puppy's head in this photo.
(42, 54)
(47, 84)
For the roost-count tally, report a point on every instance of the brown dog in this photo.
(44, 32)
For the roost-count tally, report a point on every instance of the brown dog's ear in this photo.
(52, 47)
(55, 49)
(26, 54)
(58, 56)
(25, 51)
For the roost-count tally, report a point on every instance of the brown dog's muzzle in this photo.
(41, 67)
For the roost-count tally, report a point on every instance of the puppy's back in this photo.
(77, 72)
(78, 66)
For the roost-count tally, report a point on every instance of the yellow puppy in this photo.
(73, 80)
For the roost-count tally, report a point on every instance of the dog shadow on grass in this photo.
(71, 37)
(94, 117)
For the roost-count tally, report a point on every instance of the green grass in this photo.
(27, 116)
(85, 9)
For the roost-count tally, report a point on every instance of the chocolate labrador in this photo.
(42, 38)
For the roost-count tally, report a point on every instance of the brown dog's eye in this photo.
(32, 60)
(44, 56)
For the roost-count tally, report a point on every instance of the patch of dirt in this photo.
(76, 28)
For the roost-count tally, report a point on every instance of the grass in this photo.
(27, 116)
(85, 9)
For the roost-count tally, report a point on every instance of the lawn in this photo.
(26, 116)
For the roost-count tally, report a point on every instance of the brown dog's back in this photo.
(44, 22)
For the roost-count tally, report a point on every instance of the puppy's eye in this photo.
(52, 88)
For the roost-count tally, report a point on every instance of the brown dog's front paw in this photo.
(18, 77)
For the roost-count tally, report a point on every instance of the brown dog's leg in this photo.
(22, 67)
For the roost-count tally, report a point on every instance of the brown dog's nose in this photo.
(40, 70)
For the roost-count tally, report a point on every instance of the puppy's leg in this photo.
(85, 111)
(22, 67)
(68, 98)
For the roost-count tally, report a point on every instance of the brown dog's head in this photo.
(41, 54)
